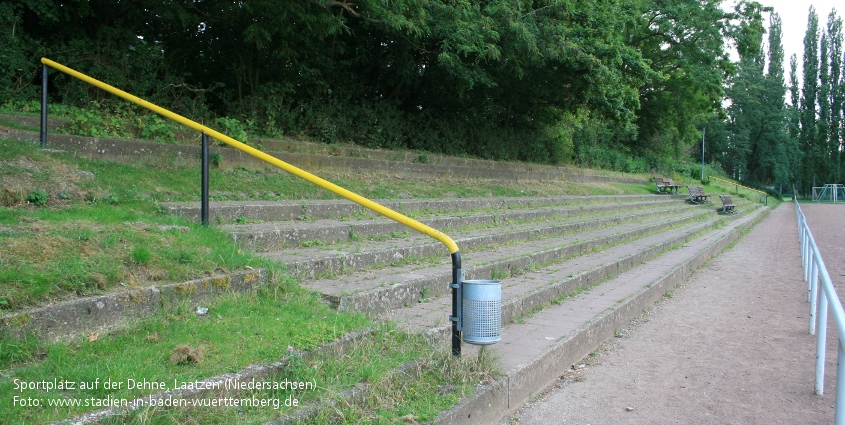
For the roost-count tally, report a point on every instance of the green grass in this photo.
(433, 381)
(237, 331)
(87, 250)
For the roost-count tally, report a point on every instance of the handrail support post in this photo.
(204, 195)
(43, 106)
(821, 344)
(457, 303)
(839, 418)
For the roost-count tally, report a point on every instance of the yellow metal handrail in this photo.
(738, 185)
(358, 199)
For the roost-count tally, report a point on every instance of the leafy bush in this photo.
(37, 198)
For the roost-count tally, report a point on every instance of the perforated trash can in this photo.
(482, 311)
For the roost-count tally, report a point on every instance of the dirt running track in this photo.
(729, 347)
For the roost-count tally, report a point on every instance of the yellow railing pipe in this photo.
(358, 199)
(738, 185)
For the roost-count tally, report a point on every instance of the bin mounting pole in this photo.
(457, 310)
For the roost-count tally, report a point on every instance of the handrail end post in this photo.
(457, 309)
(43, 106)
(204, 195)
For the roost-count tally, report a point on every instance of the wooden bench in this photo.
(727, 205)
(697, 195)
(661, 187)
(671, 185)
(666, 185)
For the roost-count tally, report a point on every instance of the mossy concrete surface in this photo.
(108, 312)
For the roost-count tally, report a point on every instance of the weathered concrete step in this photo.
(536, 350)
(291, 234)
(317, 158)
(226, 212)
(384, 290)
(354, 151)
(103, 313)
(312, 263)
(537, 288)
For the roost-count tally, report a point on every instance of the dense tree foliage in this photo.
(622, 84)
(820, 126)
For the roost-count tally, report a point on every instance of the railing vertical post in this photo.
(457, 309)
(821, 345)
(807, 258)
(43, 106)
(814, 295)
(811, 282)
(204, 201)
(839, 418)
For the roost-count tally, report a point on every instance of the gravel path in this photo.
(729, 347)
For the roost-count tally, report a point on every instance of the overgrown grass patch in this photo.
(69, 179)
(92, 250)
(235, 332)
(405, 380)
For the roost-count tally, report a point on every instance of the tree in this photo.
(809, 95)
(836, 98)
(683, 42)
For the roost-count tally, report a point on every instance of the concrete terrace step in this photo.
(536, 288)
(230, 211)
(312, 263)
(536, 349)
(381, 290)
(286, 234)
(315, 157)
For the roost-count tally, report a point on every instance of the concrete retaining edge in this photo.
(264, 239)
(493, 401)
(317, 209)
(105, 313)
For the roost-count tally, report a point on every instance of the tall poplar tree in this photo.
(837, 95)
(794, 108)
(783, 148)
(823, 150)
(809, 94)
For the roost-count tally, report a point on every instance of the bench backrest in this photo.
(726, 200)
(658, 181)
(695, 190)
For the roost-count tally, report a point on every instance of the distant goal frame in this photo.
(831, 192)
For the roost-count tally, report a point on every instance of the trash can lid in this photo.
(482, 282)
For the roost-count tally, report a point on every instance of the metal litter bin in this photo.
(482, 311)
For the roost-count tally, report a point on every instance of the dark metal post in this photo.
(43, 105)
(204, 201)
(457, 310)
(703, 133)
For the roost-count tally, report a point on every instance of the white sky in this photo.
(793, 14)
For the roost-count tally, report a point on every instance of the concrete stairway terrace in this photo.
(314, 262)
(388, 288)
(536, 349)
(277, 235)
(568, 270)
(572, 269)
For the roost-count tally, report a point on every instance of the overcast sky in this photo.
(794, 15)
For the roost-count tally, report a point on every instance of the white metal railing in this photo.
(815, 273)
